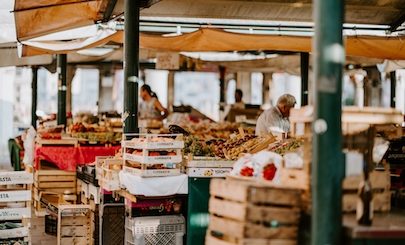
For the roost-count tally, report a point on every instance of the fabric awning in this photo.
(34, 18)
(218, 40)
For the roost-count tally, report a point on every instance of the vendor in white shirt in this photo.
(275, 119)
(238, 100)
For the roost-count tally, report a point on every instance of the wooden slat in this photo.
(75, 241)
(75, 231)
(57, 178)
(250, 230)
(378, 180)
(16, 232)
(15, 213)
(296, 178)
(15, 196)
(75, 220)
(254, 193)
(54, 172)
(246, 211)
(212, 240)
(48, 185)
(16, 177)
(382, 202)
(54, 190)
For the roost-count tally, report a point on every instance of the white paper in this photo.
(354, 163)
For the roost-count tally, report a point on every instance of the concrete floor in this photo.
(38, 236)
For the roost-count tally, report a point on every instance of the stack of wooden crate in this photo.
(90, 195)
(246, 213)
(15, 206)
(54, 181)
(354, 121)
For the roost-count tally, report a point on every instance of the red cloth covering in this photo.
(66, 157)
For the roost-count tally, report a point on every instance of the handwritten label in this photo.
(167, 61)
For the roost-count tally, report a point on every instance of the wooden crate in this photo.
(74, 225)
(380, 182)
(55, 180)
(242, 210)
(15, 195)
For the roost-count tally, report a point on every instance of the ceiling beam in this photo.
(106, 9)
(397, 23)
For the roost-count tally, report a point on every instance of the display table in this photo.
(66, 157)
(387, 228)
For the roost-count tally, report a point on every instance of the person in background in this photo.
(275, 119)
(151, 107)
(238, 100)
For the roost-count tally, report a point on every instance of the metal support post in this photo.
(131, 66)
(61, 69)
(393, 77)
(34, 96)
(328, 162)
(304, 78)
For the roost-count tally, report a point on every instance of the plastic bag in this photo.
(29, 147)
(244, 166)
(268, 165)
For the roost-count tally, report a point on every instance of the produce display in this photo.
(238, 145)
(193, 145)
(286, 145)
(205, 131)
(94, 133)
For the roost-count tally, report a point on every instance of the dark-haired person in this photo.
(151, 107)
(238, 100)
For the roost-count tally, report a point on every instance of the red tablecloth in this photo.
(66, 157)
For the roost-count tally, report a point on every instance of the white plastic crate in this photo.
(153, 141)
(164, 230)
(154, 159)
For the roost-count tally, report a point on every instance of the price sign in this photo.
(240, 118)
(167, 61)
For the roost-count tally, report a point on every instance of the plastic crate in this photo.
(167, 230)
(107, 197)
(89, 173)
(154, 207)
(112, 221)
(51, 225)
(79, 171)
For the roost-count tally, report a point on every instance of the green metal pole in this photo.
(393, 78)
(222, 71)
(34, 96)
(328, 162)
(131, 66)
(61, 69)
(304, 78)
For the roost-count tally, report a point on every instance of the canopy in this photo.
(35, 18)
(209, 39)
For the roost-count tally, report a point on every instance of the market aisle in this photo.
(38, 235)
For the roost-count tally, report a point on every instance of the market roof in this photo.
(62, 15)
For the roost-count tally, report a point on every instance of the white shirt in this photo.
(272, 120)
